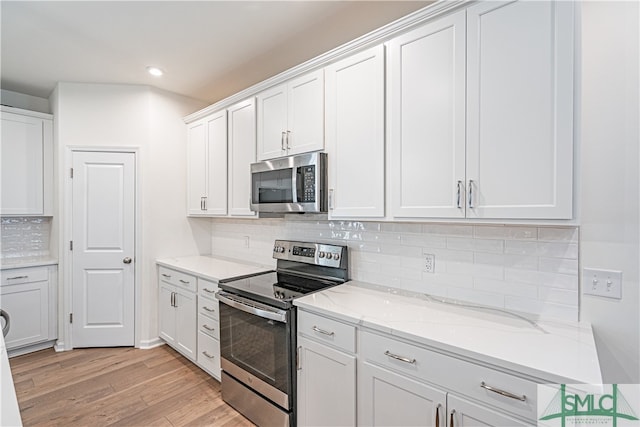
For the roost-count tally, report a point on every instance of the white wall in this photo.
(102, 115)
(609, 179)
(26, 102)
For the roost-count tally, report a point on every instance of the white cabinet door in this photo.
(28, 307)
(196, 167)
(305, 131)
(27, 165)
(427, 120)
(166, 313)
(216, 200)
(272, 122)
(389, 399)
(326, 386)
(463, 413)
(520, 109)
(242, 152)
(186, 323)
(290, 117)
(354, 124)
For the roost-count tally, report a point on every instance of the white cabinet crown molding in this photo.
(370, 39)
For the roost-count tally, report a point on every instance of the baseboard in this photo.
(29, 348)
(152, 343)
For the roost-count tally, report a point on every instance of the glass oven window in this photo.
(272, 186)
(259, 346)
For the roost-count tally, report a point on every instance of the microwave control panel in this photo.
(308, 185)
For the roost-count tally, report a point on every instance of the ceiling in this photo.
(208, 49)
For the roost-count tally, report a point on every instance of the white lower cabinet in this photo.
(326, 372)
(29, 297)
(177, 311)
(398, 382)
(208, 328)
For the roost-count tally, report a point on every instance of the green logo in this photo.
(588, 408)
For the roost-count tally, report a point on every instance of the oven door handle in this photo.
(254, 308)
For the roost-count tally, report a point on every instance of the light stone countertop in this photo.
(9, 263)
(552, 352)
(213, 268)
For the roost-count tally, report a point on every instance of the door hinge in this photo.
(70, 317)
(71, 172)
(70, 245)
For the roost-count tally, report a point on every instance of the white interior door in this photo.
(103, 249)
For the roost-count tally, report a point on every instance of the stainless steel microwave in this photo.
(290, 184)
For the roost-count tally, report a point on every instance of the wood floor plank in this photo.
(119, 387)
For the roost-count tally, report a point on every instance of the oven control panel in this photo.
(310, 253)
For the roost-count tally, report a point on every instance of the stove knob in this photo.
(336, 256)
(321, 254)
(281, 249)
(329, 255)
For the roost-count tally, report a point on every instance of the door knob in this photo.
(127, 260)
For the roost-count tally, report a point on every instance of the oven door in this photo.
(256, 346)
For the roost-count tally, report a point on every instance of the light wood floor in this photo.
(118, 386)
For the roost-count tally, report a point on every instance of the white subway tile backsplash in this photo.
(25, 237)
(517, 267)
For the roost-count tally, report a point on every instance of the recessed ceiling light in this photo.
(155, 71)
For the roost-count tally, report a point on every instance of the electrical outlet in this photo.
(429, 263)
(602, 283)
(246, 241)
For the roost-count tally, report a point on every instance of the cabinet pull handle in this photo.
(184, 281)
(400, 358)
(202, 203)
(208, 355)
(209, 290)
(453, 411)
(168, 276)
(173, 299)
(298, 366)
(331, 199)
(471, 194)
(282, 141)
(210, 310)
(208, 328)
(503, 392)
(288, 134)
(459, 196)
(438, 415)
(322, 331)
(17, 277)
(205, 203)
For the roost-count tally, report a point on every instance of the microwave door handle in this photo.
(294, 184)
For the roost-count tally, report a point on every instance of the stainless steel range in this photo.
(258, 329)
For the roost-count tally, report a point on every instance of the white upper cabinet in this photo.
(290, 117)
(354, 129)
(503, 150)
(27, 163)
(520, 109)
(242, 152)
(426, 110)
(207, 170)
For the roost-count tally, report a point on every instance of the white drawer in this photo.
(451, 373)
(327, 330)
(24, 275)
(209, 354)
(208, 307)
(207, 288)
(209, 326)
(177, 278)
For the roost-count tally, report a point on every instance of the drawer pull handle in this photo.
(184, 281)
(208, 328)
(208, 355)
(502, 392)
(210, 310)
(400, 358)
(168, 276)
(322, 331)
(17, 277)
(209, 290)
